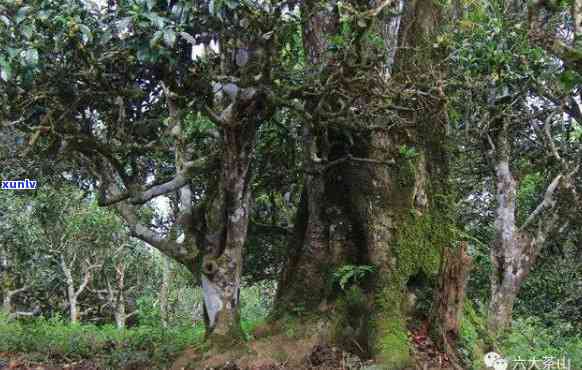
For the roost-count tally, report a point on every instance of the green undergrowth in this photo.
(56, 341)
(527, 339)
(473, 340)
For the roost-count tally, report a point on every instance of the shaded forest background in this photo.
(290, 184)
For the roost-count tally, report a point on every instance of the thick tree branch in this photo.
(547, 203)
(12, 293)
(165, 245)
(213, 116)
(140, 197)
(350, 158)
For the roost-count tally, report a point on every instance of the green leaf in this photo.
(5, 70)
(123, 24)
(157, 36)
(150, 4)
(570, 79)
(169, 38)
(21, 13)
(86, 34)
(27, 31)
(5, 20)
(232, 4)
(106, 37)
(31, 56)
(158, 21)
(177, 10)
(13, 52)
(43, 15)
(143, 55)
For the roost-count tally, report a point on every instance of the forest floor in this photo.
(281, 352)
(275, 351)
(273, 354)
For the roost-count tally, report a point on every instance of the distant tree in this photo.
(120, 278)
(76, 236)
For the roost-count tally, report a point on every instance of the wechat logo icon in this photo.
(495, 361)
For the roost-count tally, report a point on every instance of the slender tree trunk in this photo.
(71, 293)
(164, 290)
(74, 292)
(120, 313)
(73, 310)
(7, 303)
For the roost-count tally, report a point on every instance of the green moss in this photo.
(223, 342)
(298, 326)
(417, 249)
(471, 346)
(407, 173)
(393, 347)
(391, 344)
(419, 241)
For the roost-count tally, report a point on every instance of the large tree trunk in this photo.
(386, 214)
(309, 247)
(227, 220)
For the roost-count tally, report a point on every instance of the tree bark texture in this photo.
(513, 252)
(449, 299)
(309, 245)
(227, 217)
(376, 213)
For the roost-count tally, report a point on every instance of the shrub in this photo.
(55, 340)
(530, 339)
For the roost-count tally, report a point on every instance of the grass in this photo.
(54, 340)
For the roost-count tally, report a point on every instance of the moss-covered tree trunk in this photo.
(304, 282)
(386, 208)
